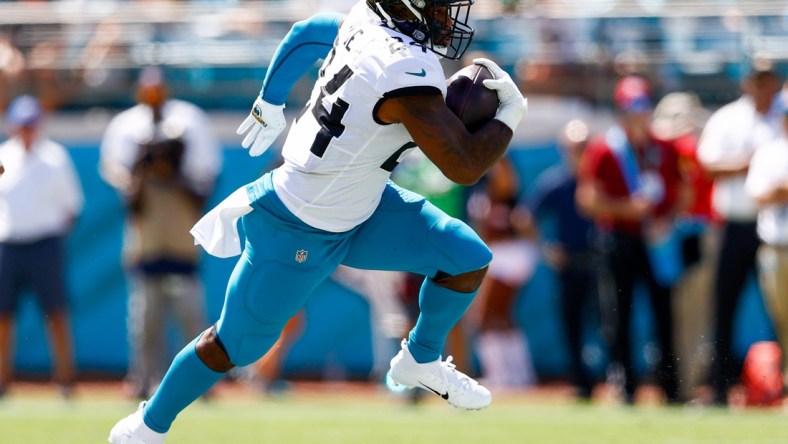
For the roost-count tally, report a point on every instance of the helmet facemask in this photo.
(440, 25)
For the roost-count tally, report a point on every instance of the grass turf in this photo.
(381, 419)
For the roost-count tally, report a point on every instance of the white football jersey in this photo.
(338, 157)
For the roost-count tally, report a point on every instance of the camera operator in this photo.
(163, 158)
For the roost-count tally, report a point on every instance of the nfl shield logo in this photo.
(300, 256)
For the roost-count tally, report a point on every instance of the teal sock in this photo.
(441, 309)
(187, 379)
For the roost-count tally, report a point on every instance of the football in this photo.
(469, 99)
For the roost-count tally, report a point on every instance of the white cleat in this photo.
(439, 377)
(132, 430)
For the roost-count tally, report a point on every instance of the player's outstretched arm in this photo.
(461, 156)
(307, 42)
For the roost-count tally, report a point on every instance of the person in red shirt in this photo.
(630, 184)
(679, 118)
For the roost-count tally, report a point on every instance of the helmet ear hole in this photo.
(419, 36)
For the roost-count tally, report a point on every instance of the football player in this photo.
(379, 94)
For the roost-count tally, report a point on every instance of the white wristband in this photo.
(511, 115)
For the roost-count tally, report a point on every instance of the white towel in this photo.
(217, 231)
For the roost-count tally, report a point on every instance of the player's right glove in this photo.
(264, 123)
(513, 105)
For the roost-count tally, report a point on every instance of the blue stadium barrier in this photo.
(336, 339)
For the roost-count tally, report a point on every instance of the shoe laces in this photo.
(451, 376)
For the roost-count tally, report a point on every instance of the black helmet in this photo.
(440, 25)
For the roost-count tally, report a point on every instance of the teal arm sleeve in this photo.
(308, 41)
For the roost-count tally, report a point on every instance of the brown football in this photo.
(469, 99)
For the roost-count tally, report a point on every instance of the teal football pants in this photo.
(284, 260)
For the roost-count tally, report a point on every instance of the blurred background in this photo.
(82, 58)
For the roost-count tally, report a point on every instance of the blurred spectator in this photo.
(163, 157)
(631, 184)
(678, 119)
(731, 136)
(501, 345)
(569, 251)
(767, 183)
(40, 197)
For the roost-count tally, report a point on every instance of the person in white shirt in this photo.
(40, 198)
(767, 184)
(163, 157)
(728, 142)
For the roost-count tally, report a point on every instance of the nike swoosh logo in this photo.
(423, 73)
(442, 395)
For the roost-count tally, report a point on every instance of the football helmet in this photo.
(440, 25)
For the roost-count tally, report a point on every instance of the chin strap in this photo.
(385, 16)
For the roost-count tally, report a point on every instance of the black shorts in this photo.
(37, 266)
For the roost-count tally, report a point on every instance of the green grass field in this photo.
(379, 419)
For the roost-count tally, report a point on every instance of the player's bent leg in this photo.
(254, 314)
(200, 364)
(408, 233)
(443, 300)
(442, 303)
(454, 257)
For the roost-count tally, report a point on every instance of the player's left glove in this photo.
(513, 106)
(264, 123)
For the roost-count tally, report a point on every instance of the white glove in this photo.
(513, 106)
(264, 123)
